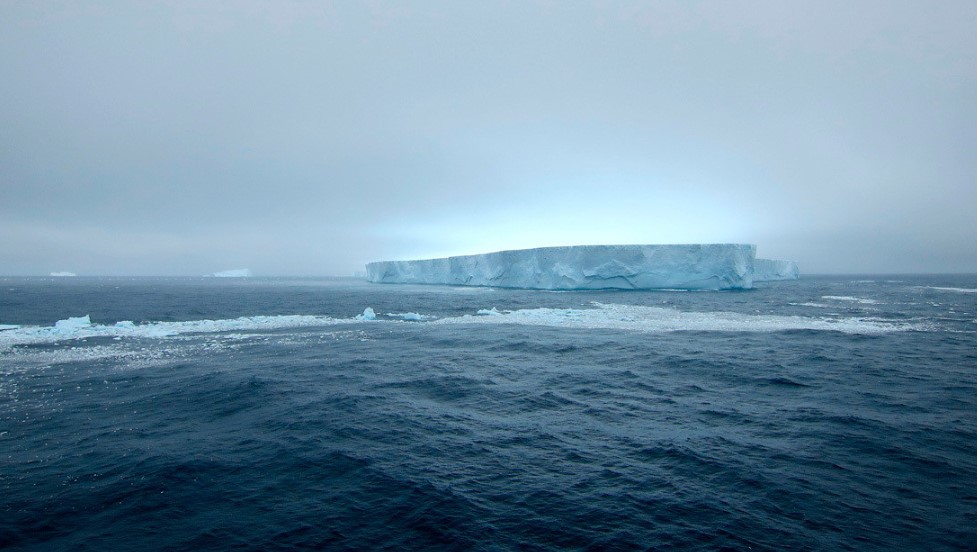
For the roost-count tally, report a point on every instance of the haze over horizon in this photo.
(309, 138)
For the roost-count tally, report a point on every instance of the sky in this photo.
(308, 138)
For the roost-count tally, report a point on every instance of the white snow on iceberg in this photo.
(693, 266)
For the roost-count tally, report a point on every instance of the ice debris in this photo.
(368, 314)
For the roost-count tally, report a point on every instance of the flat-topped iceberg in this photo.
(772, 269)
(63, 274)
(692, 266)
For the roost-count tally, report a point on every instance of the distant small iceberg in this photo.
(368, 314)
(71, 324)
(63, 274)
(236, 273)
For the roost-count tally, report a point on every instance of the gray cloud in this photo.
(309, 137)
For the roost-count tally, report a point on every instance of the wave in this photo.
(850, 299)
(953, 289)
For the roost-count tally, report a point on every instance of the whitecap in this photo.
(850, 299)
(953, 289)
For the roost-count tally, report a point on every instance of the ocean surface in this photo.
(830, 413)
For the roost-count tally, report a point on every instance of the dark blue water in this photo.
(829, 413)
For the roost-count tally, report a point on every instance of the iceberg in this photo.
(63, 274)
(582, 267)
(368, 314)
(236, 273)
(765, 270)
(69, 325)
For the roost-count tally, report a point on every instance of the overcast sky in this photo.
(309, 138)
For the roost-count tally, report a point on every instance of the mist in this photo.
(309, 138)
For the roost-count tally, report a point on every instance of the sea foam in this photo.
(658, 319)
(82, 328)
(953, 289)
(601, 316)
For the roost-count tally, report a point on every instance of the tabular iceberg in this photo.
(694, 266)
(774, 269)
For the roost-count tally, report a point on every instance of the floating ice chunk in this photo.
(69, 325)
(409, 316)
(694, 266)
(8, 327)
(235, 273)
(63, 274)
(368, 314)
(489, 312)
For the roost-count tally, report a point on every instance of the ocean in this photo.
(830, 413)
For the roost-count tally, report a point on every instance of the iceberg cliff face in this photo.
(772, 269)
(695, 266)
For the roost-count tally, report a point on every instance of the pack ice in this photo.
(692, 266)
